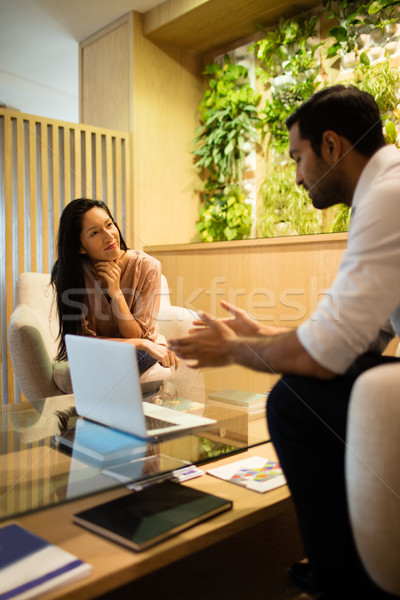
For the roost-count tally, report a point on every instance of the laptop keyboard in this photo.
(153, 423)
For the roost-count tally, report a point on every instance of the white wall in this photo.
(39, 49)
(38, 62)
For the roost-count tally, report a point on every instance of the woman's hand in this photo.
(111, 273)
(164, 355)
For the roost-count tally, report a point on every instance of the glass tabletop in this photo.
(50, 455)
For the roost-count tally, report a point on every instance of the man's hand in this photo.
(243, 324)
(210, 346)
(240, 321)
(215, 344)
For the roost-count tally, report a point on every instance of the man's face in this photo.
(317, 176)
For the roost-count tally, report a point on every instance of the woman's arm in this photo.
(127, 325)
(161, 353)
(130, 328)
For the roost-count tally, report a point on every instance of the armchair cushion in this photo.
(29, 354)
(372, 472)
(61, 376)
(175, 321)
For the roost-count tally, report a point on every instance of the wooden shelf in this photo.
(293, 240)
(205, 25)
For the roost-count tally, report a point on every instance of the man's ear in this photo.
(331, 146)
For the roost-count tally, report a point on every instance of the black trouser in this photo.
(145, 361)
(307, 423)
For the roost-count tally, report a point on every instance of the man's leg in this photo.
(307, 423)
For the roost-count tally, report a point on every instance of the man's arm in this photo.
(218, 345)
(280, 353)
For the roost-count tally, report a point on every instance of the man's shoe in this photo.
(302, 576)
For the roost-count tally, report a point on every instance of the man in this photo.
(337, 143)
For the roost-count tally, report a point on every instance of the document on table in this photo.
(254, 473)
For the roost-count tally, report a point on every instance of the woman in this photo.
(105, 289)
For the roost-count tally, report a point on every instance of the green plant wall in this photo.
(229, 120)
(362, 48)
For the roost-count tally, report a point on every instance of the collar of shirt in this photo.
(382, 159)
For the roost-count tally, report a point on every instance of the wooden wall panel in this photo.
(161, 112)
(167, 89)
(105, 75)
(7, 287)
(278, 281)
(43, 165)
(42, 197)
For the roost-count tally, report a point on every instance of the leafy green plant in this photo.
(226, 216)
(289, 67)
(290, 48)
(382, 81)
(352, 16)
(379, 79)
(228, 113)
(287, 208)
(341, 221)
(274, 47)
(276, 111)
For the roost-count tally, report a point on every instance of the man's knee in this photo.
(315, 406)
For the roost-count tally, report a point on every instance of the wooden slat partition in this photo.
(44, 164)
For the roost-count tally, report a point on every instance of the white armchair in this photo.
(33, 330)
(373, 474)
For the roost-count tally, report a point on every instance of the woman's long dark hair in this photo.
(67, 276)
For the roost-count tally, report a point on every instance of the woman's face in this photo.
(99, 236)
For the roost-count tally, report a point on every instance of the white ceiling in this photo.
(39, 50)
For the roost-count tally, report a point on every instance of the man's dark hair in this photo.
(346, 110)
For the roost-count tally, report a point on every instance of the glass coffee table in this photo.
(44, 464)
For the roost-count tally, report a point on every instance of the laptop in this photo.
(106, 386)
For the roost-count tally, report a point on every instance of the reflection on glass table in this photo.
(50, 455)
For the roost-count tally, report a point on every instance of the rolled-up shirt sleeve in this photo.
(366, 290)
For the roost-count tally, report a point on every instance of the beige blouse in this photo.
(140, 283)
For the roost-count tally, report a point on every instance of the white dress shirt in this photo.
(366, 290)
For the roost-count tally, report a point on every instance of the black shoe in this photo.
(302, 576)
